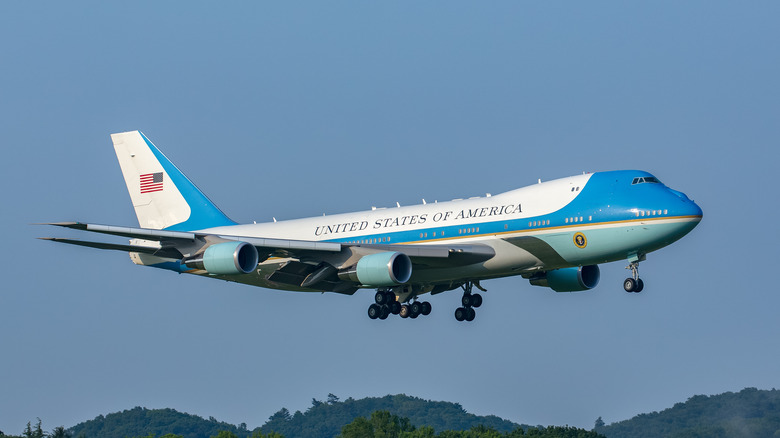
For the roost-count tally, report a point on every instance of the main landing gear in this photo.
(469, 301)
(633, 283)
(386, 304)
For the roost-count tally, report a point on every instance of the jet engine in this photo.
(569, 279)
(227, 258)
(381, 269)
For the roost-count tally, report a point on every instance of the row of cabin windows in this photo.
(537, 223)
(425, 235)
(370, 241)
(571, 220)
(644, 213)
(468, 230)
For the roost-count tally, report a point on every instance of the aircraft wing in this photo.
(175, 244)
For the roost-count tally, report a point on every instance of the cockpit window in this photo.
(646, 179)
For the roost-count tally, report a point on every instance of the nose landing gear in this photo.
(633, 283)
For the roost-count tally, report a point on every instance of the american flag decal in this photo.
(151, 182)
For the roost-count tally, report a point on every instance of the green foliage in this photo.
(151, 423)
(750, 412)
(384, 425)
(325, 420)
(258, 434)
(59, 432)
(381, 425)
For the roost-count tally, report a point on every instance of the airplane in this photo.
(553, 233)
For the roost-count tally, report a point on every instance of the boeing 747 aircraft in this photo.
(555, 234)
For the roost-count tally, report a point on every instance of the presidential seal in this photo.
(580, 241)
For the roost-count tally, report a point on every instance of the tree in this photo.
(332, 398)
(59, 432)
(37, 433)
(225, 434)
(381, 425)
(599, 423)
(359, 428)
(258, 434)
(282, 414)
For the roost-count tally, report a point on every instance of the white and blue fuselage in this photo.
(554, 233)
(569, 222)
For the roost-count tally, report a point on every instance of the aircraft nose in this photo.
(689, 208)
(695, 209)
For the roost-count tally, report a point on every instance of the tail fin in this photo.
(162, 196)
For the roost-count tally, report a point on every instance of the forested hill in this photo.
(323, 419)
(748, 413)
(139, 422)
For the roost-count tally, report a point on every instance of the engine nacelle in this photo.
(227, 258)
(569, 279)
(381, 269)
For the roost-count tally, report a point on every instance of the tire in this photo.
(629, 284)
(426, 308)
(416, 308)
(390, 297)
(639, 286)
(404, 312)
(380, 297)
(476, 300)
(466, 300)
(395, 307)
(460, 313)
(374, 311)
(384, 312)
(471, 314)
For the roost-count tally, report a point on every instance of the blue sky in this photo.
(295, 110)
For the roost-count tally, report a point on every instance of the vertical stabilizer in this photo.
(163, 197)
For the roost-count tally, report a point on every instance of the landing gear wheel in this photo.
(466, 300)
(460, 313)
(384, 312)
(476, 300)
(405, 311)
(395, 307)
(639, 285)
(381, 297)
(426, 308)
(629, 284)
(374, 311)
(416, 308)
(470, 314)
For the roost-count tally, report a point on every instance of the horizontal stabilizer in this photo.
(133, 233)
(171, 253)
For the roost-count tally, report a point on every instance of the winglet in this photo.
(163, 197)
